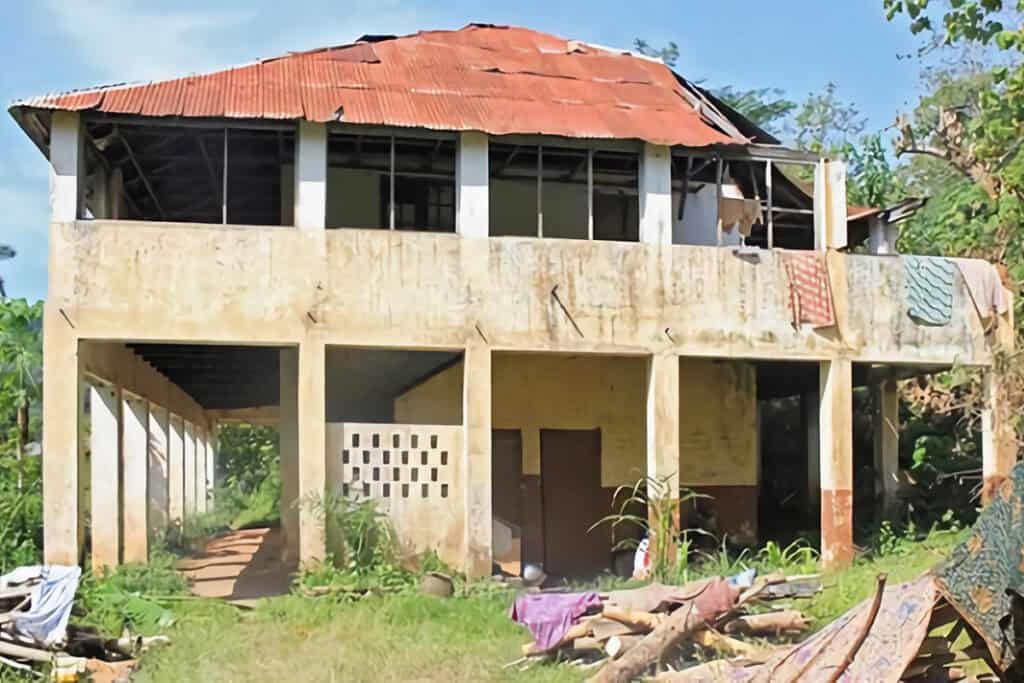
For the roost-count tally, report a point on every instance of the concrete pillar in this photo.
(656, 194)
(312, 403)
(288, 436)
(810, 418)
(836, 449)
(212, 436)
(62, 390)
(472, 185)
(105, 458)
(311, 175)
(476, 416)
(200, 470)
(135, 477)
(830, 228)
(190, 471)
(882, 236)
(159, 470)
(176, 469)
(887, 447)
(663, 423)
(998, 441)
(65, 166)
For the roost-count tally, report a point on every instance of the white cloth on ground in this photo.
(984, 286)
(46, 620)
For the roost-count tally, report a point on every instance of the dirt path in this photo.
(240, 566)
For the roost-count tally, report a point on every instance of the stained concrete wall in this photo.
(273, 285)
(718, 411)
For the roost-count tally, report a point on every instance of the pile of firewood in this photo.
(633, 629)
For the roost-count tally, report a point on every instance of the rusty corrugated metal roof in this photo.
(494, 79)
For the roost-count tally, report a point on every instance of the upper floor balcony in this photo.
(380, 237)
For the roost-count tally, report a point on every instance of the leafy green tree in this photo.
(826, 124)
(21, 361)
(668, 54)
(767, 107)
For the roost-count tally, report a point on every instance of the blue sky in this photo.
(48, 45)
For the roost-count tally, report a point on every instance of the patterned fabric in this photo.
(929, 289)
(810, 293)
(984, 570)
(893, 642)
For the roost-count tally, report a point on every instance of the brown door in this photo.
(573, 502)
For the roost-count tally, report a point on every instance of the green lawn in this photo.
(413, 637)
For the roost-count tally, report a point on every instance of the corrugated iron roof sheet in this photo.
(494, 79)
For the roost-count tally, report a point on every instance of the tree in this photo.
(21, 360)
(668, 54)
(767, 107)
(827, 125)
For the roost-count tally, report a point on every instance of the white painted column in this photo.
(62, 401)
(836, 449)
(65, 166)
(663, 420)
(135, 477)
(176, 470)
(998, 440)
(159, 470)
(190, 471)
(212, 437)
(830, 228)
(105, 458)
(311, 175)
(887, 446)
(200, 470)
(312, 404)
(472, 185)
(656, 194)
(476, 416)
(288, 435)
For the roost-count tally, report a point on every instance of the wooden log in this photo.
(587, 644)
(23, 652)
(603, 629)
(770, 623)
(729, 647)
(616, 646)
(638, 620)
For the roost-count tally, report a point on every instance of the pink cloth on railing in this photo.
(549, 615)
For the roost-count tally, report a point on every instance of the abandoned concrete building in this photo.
(482, 276)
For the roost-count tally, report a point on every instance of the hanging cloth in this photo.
(810, 292)
(929, 289)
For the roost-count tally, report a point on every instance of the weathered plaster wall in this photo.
(274, 285)
(718, 411)
(718, 432)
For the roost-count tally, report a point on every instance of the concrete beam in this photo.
(656, 194)
(476, 415)
(176, 470)
(135, 478)
(312, 421)
(105, 458)
(190, 471)
(887, 447)
(65, 166)
(288, 435)
(159, 472)
(62, 393)
(472, 185)
(836, 450)
(311, 175)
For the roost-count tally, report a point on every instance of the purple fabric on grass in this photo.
(549, 615)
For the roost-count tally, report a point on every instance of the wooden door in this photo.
(573, 502)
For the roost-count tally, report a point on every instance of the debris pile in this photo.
(627, 631)
(36, 604)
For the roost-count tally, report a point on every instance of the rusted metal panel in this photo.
(498, 80)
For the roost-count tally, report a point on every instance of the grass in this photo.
(408, 636)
